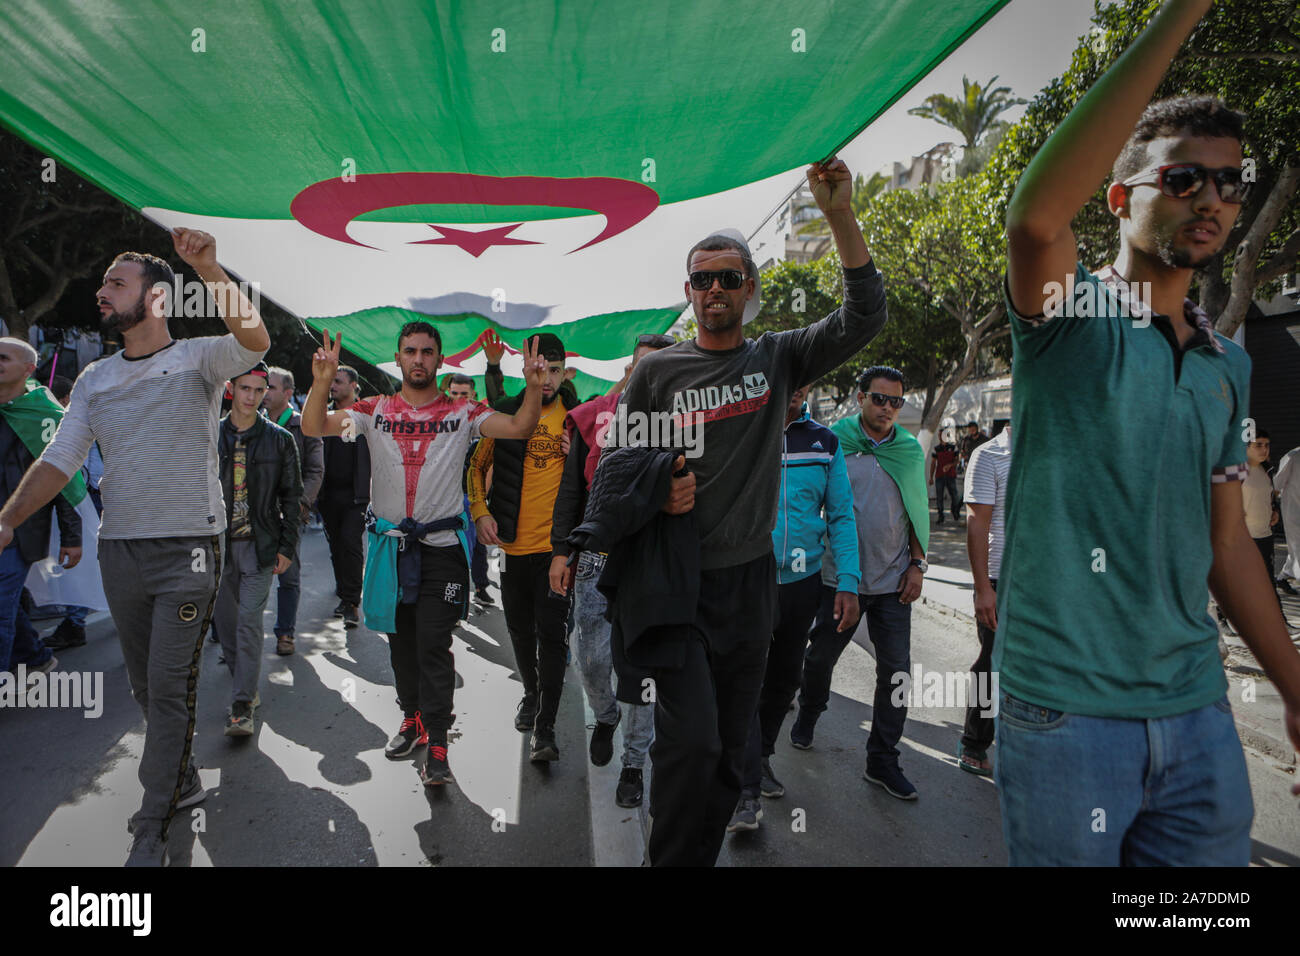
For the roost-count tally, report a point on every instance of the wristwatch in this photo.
(920, 563)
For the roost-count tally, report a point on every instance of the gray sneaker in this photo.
(148, 849)
(240, 721)
(748, 812)
(192, 794)
(768, 785)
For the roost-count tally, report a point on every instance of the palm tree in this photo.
(974, 114)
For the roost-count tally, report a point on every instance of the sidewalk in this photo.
(1257, 707)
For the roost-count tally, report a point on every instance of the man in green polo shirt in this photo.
(1115, 736)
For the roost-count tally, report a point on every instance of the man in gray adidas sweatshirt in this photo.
(732, 393)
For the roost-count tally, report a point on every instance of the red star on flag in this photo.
(475, 243)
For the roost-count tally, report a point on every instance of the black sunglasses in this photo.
(894, 401)
(1184, 180)
(731, 279)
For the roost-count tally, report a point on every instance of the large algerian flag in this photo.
(504, 165)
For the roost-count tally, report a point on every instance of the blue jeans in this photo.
(19, 642)
(596, 662)
(287, 593)
(1098, 791)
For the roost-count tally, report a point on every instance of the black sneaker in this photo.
(769, 786)
(630, 788)
(543, 747)
(484, 598)
(892, 779)
(435, 771)
(748, 812)
(526, 714)
(409, 736)
(66, 635)
(350, 616)
(801, 734)
(602, 742)
(339, 608)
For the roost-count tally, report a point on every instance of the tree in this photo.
(1247, 53)
(974, 115)
(864, 190)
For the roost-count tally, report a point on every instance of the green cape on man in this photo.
(34, 416)
(902, 460)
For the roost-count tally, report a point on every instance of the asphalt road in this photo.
(313, 787)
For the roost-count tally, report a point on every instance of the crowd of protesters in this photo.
(713, 578)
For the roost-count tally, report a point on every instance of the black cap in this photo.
(258, 369)
(549, 346)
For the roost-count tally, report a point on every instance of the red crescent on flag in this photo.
(328, 206)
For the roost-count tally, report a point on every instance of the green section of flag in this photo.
(231, 109)
(372, 334)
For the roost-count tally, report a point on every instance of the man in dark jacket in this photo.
(263, 490)
(516, 515)
(19, 642)
(311, 458)
(344, 495)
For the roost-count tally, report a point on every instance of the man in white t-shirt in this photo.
(417, 440)
(986, 500)
(164, 512)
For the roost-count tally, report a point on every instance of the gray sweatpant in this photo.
(241, 602)
(160, 593)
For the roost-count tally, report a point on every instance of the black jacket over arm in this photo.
(32, 537)
(571, 499)
(652, 576)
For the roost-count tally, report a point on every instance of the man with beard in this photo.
(1113, 692)
(417, 440)
(153, 409)
(740, 388)
(516, 515)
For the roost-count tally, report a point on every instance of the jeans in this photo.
(948, 484)
(978, 732)
(797, 604)
(19, 641)
(1097, 791)
(241, 601)
(535, 618)
(287, 592)
(596, 662)
(889, 625)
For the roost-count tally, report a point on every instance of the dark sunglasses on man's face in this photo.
(648, 340)
(731, 279)
(893, 401)
(1184, 180)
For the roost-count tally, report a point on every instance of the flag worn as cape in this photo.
(34, 416)
(903, 461)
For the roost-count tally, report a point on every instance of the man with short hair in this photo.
(460, 387)
(516, 515)
(737, 390)
(417, 570)
(28, 413)
(344, 495)
(986, 505)
(586, 427)
(973, 438)
(164, 512)
(263, 488)
(311, 460)
(886, 469)
(1096, 712)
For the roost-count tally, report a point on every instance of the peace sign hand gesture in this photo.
(325, 363)
(534, 364)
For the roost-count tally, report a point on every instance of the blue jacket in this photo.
(813, 478)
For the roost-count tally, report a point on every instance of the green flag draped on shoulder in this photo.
(902, 460)
(34, 417)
